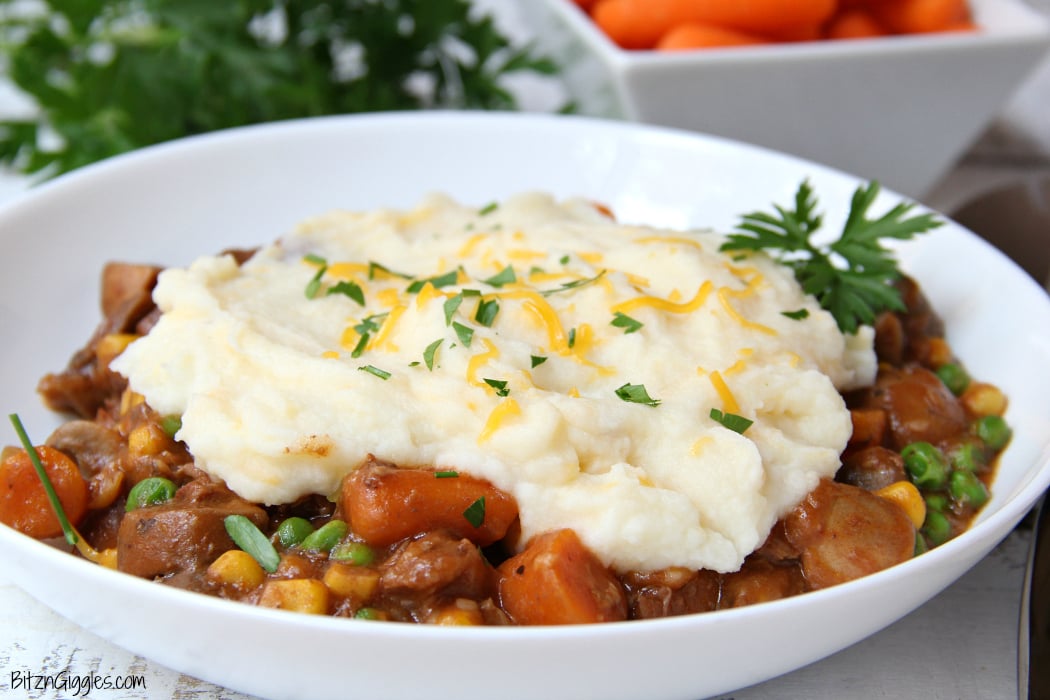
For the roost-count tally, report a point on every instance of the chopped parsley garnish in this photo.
(446, 474)
(446, 280)
(350, 289)
(738, 424)
(488, 208)
(796, 315)
(503, 277)
(572, 338)
(314, 285)
(315, 259)
(475, 512)
(499, 385)
(381, 373)
(374, 267)
(486, 313)
(537, 360)
(636, 393)
(464, 333)
(450, 306)
(575, 284)
(628, 324)
(852, 277)
(365, 329)
(431, 350)
(564, 260)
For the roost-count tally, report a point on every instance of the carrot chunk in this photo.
(920, 16)
(695, 35)
(556, 580)
(386, 504)
(24, 504)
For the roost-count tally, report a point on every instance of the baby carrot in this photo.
(641, 23)
(854, 23)
(694, 35)
(920, 16)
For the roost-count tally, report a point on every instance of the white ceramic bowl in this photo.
(899, 110)
(171, 203)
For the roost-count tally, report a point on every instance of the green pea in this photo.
(954, 377)
(993, 431)
(325, 537)
(150, 492)
(937, 501)
(937, 528)
(171, 425)
(926, 465)
(967, 457)
(356, 553)
(293, 531)
(920, 544)
(368, 614)
(967, 489)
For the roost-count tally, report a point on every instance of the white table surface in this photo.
(961, 645)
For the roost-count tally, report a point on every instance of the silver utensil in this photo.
(1033, 658)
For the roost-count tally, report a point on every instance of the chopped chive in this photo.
(572, 337)
(486, 313)
(248, 537)
(381, 373)
(314, 259)
(475, 512)
(49, 488)
(350, 289)
(488, 208)
(537, 360)
(359, 349)
(446, 474)
(738, 424)
(628, 324)
(636, 393)
(499, 385)
(575, 284)
(465, 333)
(431, 350)
(796, 315)
(503, 277)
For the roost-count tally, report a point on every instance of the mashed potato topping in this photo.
(572, 361)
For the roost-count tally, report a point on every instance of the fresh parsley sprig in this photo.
(852, 277)
(109, 76)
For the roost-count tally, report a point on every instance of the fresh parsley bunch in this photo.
(852, 277)
(109, 76)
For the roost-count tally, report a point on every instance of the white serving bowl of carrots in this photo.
(891, 90)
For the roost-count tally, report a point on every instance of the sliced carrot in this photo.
(641, 23)
(921, 16)
(24, 504)
(854, 23)
(694, 35)
(556, 580)
(386, 504)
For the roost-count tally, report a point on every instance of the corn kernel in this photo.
(147, 440)
(982, 399)
(129, 400)
(940, 352)
(111, 345)
(305, 595)
(355, 582)
(237, 568)
(907, 496)
(460, 613)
